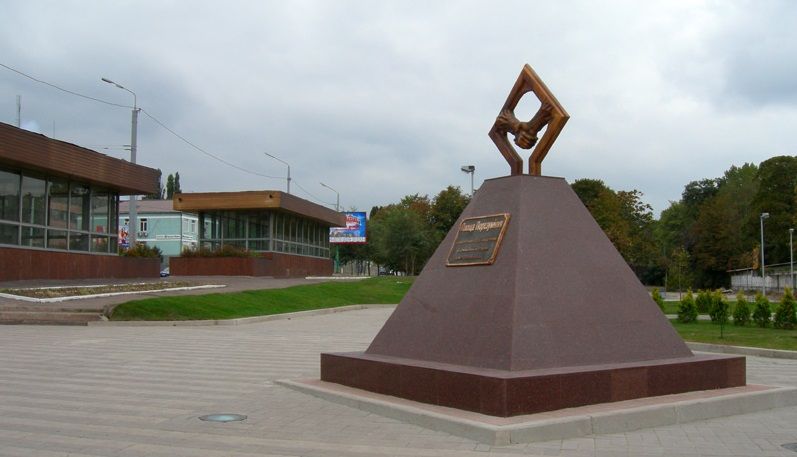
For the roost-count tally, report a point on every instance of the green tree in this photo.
(777, 178)
(720, 239)
(672, 228)
(720, 310)
(656, 295)
(762, 314)
(742, 311)
(170, 187)
(625, 219)
(786, 313)
(704, 301)
(158, 195)
(446, 209)
(641, 252)
(696, 193)
(687, 310)
(400, 239)
(177, 188)
(678, 270)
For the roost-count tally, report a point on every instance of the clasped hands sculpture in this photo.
(525, 132)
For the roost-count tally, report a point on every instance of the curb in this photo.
(107, 294)
(239, 321)
(743, 350)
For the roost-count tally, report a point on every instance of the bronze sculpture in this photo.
(550, 114)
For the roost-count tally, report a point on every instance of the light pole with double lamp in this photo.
(791, 258)
(337, 208)
(132, 231)
(471, 169)
(763, 270)
(337, 200)
(287, 164)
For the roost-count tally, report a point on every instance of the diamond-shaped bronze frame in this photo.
(529, 81)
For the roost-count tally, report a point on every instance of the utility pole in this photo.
(19, 111)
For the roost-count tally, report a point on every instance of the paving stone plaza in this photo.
(138, 391)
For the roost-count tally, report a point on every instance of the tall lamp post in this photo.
(132, 210)
(791, 257)
(471, 169)
(337, 198)
(337, 208)
(763, 270)
(286, 164)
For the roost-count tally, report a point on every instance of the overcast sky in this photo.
(383, 99)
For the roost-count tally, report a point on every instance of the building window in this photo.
(34, 203)
(253, 230)
(55, 213)
(143, 225)
(100, 209)
(9, 196)
(58, 204)
(79, 207)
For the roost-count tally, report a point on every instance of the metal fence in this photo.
(751, 280)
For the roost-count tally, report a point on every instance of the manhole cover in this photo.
(791, 446)
(223, 417)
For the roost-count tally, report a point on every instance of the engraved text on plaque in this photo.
(478, 240)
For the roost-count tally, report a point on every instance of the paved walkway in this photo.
(137, 391)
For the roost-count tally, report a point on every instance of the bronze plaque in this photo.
(478, 240)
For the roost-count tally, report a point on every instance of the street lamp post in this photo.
(791, 258)
(337, 208)
(337, 198)
(132, 204)
(471, 169)
(286, 164)
(763, 270)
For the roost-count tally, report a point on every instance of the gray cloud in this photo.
(384, 99)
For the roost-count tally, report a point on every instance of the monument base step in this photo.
(512, 393)
(598, 419)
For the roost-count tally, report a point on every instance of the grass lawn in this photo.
(384, 289)
(708, 332)
(387, 290)
(671, 307)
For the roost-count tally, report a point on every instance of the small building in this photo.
(162, 226)
(288, 235)
(778, 278)
(59, 206)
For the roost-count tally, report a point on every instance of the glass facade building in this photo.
(264, 231)
(54, 213)
(59, 206)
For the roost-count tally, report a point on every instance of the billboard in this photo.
(352, 233)
(123, 232)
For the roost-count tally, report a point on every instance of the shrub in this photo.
(687, 310)
(657, 298)
(720, 309)
(786, 313)
(742, 311)
(703, 301)
(141, 250)
(762, 313)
